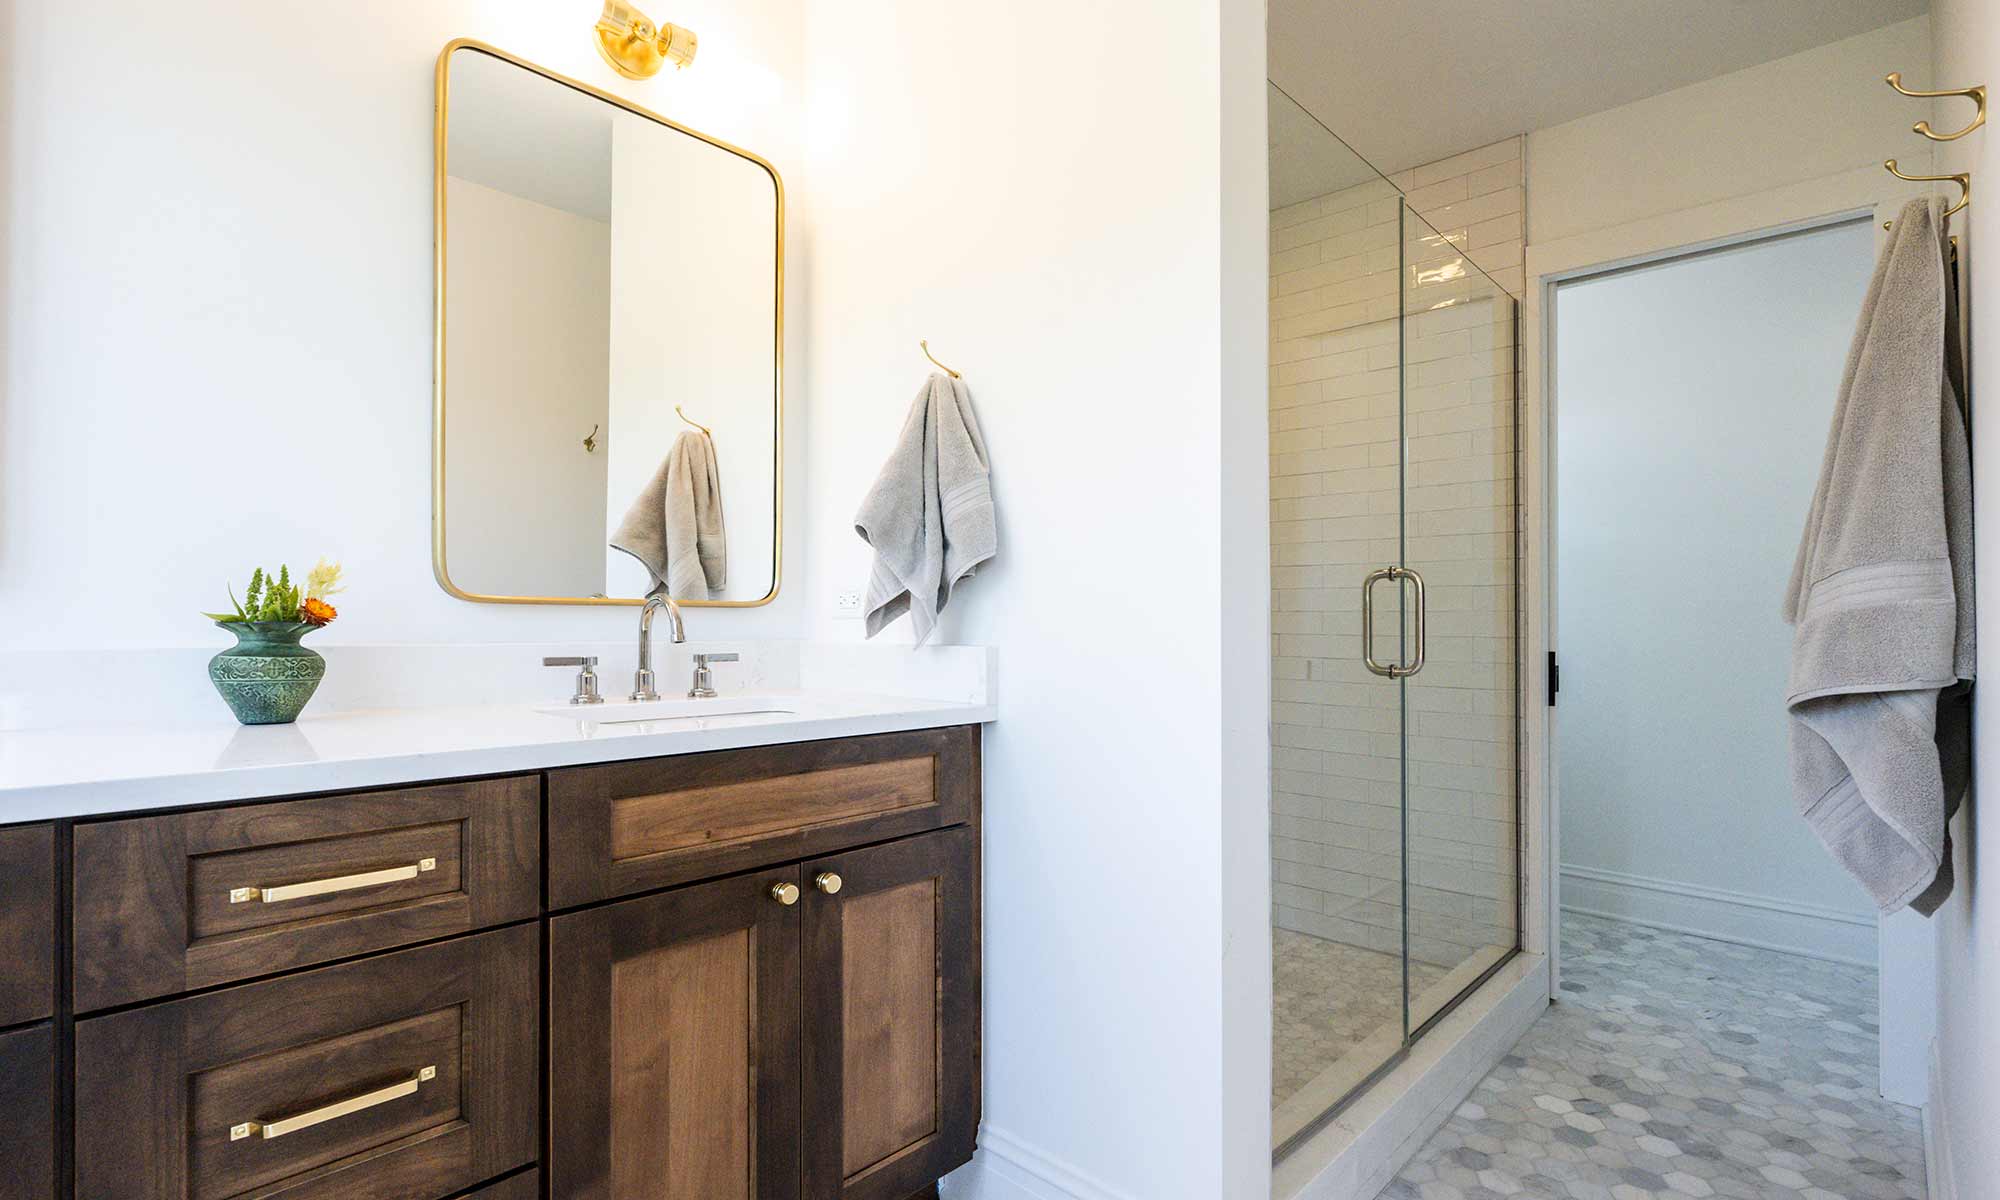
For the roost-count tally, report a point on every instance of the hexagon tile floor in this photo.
(1678, 1067)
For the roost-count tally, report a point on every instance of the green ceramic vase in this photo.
(267, 677)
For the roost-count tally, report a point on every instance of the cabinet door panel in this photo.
(891, 1017)
(27, 923)
(27, 1100)
(673, 1046)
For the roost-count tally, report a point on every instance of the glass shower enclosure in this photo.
(1395, 625)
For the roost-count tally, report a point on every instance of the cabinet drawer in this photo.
(403, 1077)
(27, 1097)
(27, 923)
(632, 826)
(190, 900)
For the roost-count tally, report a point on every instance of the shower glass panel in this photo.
(1395, 884)
(1461, 844)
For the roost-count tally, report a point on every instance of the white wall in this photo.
(1813, 114)
(217, 256)
(1967, 1092)
(529, 313)
(1692, 400)
(1040, 190)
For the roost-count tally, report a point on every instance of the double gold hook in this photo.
(1975, 93)
(1962, 178)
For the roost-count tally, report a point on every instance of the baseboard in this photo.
(1007, 1168)
(1937, 1137)
(1766, 922)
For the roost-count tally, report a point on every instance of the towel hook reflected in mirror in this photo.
(925, 346)
(1975, 93)
(590, 440)
(690, 420)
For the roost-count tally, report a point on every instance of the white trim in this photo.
(1360, 1151)
(1937, 1137)
(1007, 1168)
(1767, 922)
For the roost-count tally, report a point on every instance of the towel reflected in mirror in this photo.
(674, 527)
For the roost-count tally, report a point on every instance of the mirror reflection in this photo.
(608, 411)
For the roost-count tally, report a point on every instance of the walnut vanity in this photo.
(747, 972)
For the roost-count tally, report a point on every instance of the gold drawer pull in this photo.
(339, 883)
(340, 1108)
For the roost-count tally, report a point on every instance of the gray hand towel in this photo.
(675, 527)
(1881, 594)
(930, 514)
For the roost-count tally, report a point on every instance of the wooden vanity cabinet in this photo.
(740, 975)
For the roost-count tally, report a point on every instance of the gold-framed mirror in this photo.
(608, 400)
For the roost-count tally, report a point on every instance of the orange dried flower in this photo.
(317, 612)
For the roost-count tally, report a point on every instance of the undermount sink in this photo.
(618, 712)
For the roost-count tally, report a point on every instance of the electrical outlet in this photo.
(847, 606)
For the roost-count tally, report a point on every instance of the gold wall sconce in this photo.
(637, 48)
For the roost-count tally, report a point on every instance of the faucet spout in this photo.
(642, 679)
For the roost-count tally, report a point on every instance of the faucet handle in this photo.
(586, 677)
(704, 681)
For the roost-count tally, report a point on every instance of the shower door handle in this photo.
(1391, 670)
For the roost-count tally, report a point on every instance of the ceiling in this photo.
(1306, 160)
(1412, 81)
(520, 133)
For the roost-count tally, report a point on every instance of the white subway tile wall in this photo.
(1347, 331)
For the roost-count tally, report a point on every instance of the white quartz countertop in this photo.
(112, 768)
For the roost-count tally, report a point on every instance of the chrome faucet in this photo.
(642, 679)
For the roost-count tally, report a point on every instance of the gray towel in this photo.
(1881, 594)
(930, 514)
(675, 525)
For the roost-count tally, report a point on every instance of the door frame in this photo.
(1811, 204)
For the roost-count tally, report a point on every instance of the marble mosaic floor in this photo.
(1327, 998)
(1678, 1067)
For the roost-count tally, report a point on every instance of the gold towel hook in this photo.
(590, 440)
(1975, 93)
(1962, 178)
(683, 416)
(925, 345)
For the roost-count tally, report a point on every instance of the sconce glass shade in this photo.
(637, 48)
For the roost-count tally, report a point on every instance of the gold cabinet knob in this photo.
(785, 893)
(827, 881)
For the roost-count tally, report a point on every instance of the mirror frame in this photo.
(441, 120)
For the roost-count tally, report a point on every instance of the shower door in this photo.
(1393, 533)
